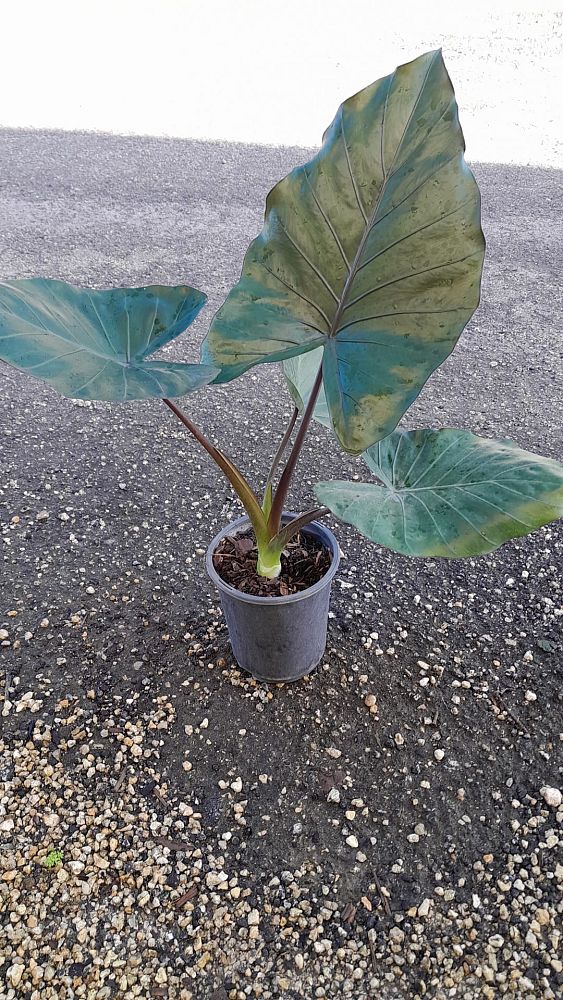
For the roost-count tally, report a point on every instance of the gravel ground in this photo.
(115, 885)
(400, 835)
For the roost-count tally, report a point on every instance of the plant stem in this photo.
(274, 519)
(289, 530)
(283, 445)
(240, 485)
(200, 438)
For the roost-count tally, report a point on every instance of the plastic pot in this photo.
(277, 638)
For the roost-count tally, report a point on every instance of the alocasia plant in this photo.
(366, 272)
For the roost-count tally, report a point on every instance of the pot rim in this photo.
(328, 538)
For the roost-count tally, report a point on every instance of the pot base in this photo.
(279, 680)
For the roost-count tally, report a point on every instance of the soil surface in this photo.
(436, 715)
(303, 563)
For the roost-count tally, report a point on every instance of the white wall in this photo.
(274, 71)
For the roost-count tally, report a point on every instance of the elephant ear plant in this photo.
(365, 274)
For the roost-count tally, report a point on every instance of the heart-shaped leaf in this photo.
(92, 344)
(448, 493)
(372, 250)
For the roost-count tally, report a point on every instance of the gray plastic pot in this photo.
(277, 638)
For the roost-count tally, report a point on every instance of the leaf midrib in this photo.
(387, 173)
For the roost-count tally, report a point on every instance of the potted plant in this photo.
(361, 282)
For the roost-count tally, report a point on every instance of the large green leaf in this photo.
(93, 344)
(448, 493)
(373, 250)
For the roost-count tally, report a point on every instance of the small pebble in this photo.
(552, 796)
(15, 973)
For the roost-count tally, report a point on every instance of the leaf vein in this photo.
(352, 178)
(300, 295)
(313, 266)
(328, 222)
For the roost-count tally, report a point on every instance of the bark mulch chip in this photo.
(304, 562)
